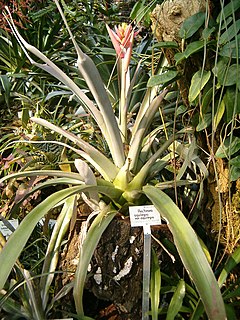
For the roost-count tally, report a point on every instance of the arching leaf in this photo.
(191, 25)
(191, 253)
(199, 80)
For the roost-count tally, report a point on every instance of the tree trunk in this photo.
(115, 273)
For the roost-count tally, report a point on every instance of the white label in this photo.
(51, 222)
(4, 229)
(144, 215)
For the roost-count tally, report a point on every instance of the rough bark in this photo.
(168, 17)
(115, 274)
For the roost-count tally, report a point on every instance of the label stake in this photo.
(145, 216)
(146, 271)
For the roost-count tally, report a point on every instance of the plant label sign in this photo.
(144, 215)
(6, 229)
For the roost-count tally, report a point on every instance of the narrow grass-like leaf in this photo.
(231, 263)
(93, 79)
(52, 253)
(93, 236)
(48, 173)
(6, 84)
(140, 131)
(19, 238)
(91, 154)
(155, 286)
(141, 11)
(198, 311)
(11, 306)
(176, 301)
(51, 68)
(32, 297)
(191, 253)
(141, 176)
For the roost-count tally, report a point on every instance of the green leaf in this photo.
(206, 100)
(231, 76)
(191, 25)
(20, 236)
(219, 114)
(204, 121)
(56, 93)
(176, 301)
(179, 56)
(51, 173)
(228, 148)
(226, 23)
(234, 173)
(155, 286)
(207, 32)
(191, 253)
(181, 109)
(91, 154)
(228, 10)
(192, 48)
(25, 116)
(57, 236)
(12, 306)
(6, 84)
(235, 161)
(231, 313)
(231, 263)
(141, 11)
(232, 101)
(139, 5)
(199, 80)
(230, 33)
(98, 226)
(166, 44)
(164, 78)
(232, 294)
(231, 49)
(107, 51)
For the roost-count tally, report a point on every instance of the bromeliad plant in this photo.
(126, 176)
